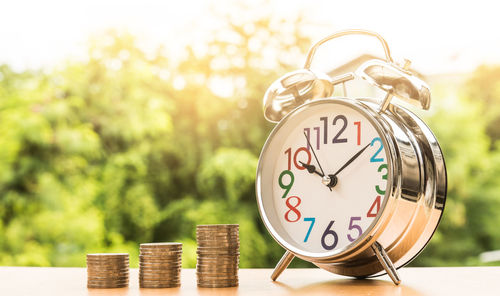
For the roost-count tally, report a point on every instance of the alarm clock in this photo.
(356, 186)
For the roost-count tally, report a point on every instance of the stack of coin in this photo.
(107, 270)
(218, 255)
(160, 265)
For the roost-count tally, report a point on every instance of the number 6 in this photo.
(331, 232)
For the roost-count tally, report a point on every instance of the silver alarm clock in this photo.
(356, 186)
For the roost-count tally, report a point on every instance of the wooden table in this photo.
(416, 281)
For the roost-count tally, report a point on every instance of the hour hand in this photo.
(311, 169)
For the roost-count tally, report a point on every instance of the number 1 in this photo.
(358, 123)
(312, 220)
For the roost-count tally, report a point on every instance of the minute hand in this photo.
(351, 160)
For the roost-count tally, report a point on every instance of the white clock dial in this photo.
(326, 214)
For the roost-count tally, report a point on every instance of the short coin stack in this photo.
(160, 265)
(108, 270)
(218, 255)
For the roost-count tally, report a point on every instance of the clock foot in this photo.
(386, 262)
(282, 265)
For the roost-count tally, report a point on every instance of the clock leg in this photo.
(386, 262)
(282, 265)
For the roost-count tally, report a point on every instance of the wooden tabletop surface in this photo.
(415, 281)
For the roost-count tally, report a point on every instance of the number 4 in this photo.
(376, 203)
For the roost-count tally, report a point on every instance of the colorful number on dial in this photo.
(312, 220)
(288, 186)
(292, 209)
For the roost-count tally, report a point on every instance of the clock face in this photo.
(323, 206)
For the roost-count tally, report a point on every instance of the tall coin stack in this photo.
(160, 265)
(109, 270)
(218, 255)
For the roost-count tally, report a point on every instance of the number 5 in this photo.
(353, 226)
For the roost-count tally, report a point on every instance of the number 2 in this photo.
(336, 139)
(374, 158)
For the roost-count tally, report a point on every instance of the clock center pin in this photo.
(330, 180)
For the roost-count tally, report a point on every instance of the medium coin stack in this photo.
(109, 270)
(160, 265)
(218, 255)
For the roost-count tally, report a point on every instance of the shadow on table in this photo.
(352, 287)
(108, 292)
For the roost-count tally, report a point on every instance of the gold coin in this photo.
(161, 245)
(217, 269)
(107, 283)
(159, 281)
(222, 271)
(159, 260)
(217, 282)
(107, 264)
(102, 270)
(158, 255)
(166, 253)
(165, 272)
(159, 286)
(168, 274)
(217, 251)
(216, 237)
(217, 225)
(92, 286)
(217, 240)
(207, 267)
(107, 259)
(107, 268)
(219, 245)
(117, 278)
(216, 276)
(106, 286)
(217, 259)
(205, 285)
(218, 232)
(160, 263)
(157, 271)
(160, 271)
(169, 277)
(160, 251)
(216, 266)
(107, 255)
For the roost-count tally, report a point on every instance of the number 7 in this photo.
(312, 220)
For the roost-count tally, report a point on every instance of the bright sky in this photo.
(438, 36)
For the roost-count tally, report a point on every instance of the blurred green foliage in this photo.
(132, 146)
